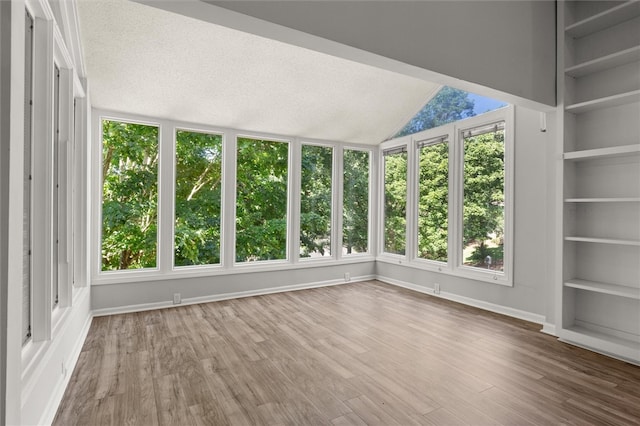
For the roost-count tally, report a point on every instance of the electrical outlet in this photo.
(176, 298)
(436, 288)
(347, 276)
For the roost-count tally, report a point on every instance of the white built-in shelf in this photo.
(605, 288)
(613, 60)
(614, 151)
(602, 342)
(603, 200)
(606, 102)
(604, 241)
(606, 19)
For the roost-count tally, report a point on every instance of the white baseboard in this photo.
(226, 296)
(549, 329)
(487, 306)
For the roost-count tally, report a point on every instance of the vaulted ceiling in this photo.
(151, 62)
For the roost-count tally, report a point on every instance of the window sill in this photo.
(461, 272)
(217, 270)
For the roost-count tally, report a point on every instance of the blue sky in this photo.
(482, 104)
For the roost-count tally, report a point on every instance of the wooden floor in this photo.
(363, 353)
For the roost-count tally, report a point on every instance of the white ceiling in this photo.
(147, 61)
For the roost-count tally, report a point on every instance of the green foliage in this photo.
(395, 202)
(433, 202)
(129, 195)
(447, 106)
(197, 198)
(261, 200)
(315, 200)
(355, 216)
(483, 212)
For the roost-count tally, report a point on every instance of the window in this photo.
(129, 195)
(484, 197)
(316, 201)
(28, 141)
(395, 200)
(57, 170)
(355, 208)
(433, 199)
(198, 199)
(261, 199)
(447, 106)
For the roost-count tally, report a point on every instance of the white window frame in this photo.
(454, 265)
(334, 207)
(174, 176)
(340, 202)
(293, 181)
(98, 117)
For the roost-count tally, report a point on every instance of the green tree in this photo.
(261, 199)
(315, 200)
(129, 195)
(483, 211)
(197, 198)
(447, 106)
(433, 201)
(395, 202)
(355, 213)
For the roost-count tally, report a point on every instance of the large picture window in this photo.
(261, 199)
(198, 198)
(433, 199)
(355, 208)
(316, 201)
(395, 200)
(129, 195)
(484, 197)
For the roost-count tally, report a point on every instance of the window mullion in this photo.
(166, 198)
(295, 185)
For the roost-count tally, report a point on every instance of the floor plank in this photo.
(355, 354)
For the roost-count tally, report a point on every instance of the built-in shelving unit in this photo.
(598, 293)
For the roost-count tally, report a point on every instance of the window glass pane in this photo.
(315, 201)
(447, 106)
(483, 205)
(355, 213)
(433, 201)
(129, 195)
(261, 200)
(395, 202)
(197, 198)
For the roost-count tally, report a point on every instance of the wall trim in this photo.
(226, 296)
(549, 329)
(487, 306)
(48, 416)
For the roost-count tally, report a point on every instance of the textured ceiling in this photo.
(143, 60)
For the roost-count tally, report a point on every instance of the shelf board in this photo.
(606, 102)
(615, 151)
(606, 62)
(604, 241)
(606, 19)
(603, 200)
(605, 288)
(602, 342)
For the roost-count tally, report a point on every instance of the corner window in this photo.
(316, 201)
(355, 202)
(262, 168)
(198, 198)
(395, 200)
(129, 195)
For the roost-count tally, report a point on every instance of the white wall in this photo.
(531, 295)
(126, 296)
(507, 46)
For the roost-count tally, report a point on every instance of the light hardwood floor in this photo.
(362, 353)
